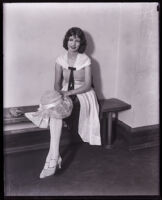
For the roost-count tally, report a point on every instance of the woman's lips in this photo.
(73, 47)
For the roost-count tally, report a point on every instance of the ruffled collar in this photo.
(82, 60)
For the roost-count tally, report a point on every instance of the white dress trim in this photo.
(89, 124)
(82, 60)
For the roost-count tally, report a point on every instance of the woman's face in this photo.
(73, 43)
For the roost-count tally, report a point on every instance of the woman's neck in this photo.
(72, 54)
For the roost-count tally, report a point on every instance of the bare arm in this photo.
(87, 84)
(58, 77)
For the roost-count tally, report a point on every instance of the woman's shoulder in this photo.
(84, 60)
(61, 59)
(84, 56)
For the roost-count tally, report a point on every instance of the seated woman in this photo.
(73, 79)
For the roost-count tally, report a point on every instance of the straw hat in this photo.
(50, 97)
(52, 104)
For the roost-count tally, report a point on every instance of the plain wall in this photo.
(138, 63)
(118, 36)
(33, 35)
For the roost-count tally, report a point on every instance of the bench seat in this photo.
(108, 109)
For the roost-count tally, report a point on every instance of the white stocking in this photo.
(55, 134)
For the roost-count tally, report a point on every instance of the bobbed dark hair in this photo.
(75, 31)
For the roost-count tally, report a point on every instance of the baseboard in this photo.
(141, 137)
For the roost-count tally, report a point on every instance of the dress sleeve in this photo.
(58, 60)
(87, 61)
(61, 60)
(83, 61)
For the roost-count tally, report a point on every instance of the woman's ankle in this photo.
(55, 156)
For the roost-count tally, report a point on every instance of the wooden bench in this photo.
(108, 108)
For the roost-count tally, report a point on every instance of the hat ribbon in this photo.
(42, 107)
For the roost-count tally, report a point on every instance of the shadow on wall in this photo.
(96, 74)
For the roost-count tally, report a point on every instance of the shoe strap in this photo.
(53, 161)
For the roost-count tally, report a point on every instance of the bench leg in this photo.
(109, 131)
(103, 121)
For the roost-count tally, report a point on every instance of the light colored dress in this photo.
(89, 124)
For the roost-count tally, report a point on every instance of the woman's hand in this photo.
(65, 93)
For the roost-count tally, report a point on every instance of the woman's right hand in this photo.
(62, 92)
(65, 93)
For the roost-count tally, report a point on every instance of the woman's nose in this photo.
(74, 42)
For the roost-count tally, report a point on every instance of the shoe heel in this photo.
(59, 162)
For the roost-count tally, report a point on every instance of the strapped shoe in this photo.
(50, 167)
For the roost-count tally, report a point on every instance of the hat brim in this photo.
(62, 110)
(59, 111)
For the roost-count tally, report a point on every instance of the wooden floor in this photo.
(87, 170)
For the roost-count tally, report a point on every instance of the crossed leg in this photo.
(53, 158)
